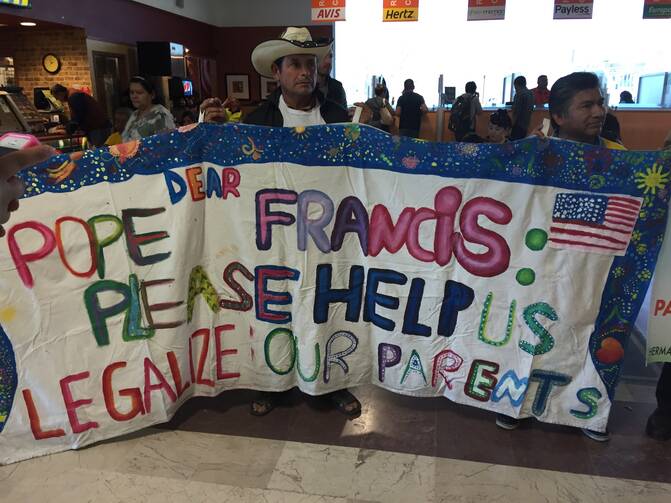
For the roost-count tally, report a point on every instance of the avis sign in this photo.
(657, 9)
(481, 10)
(326, 11)
(573, 9)
(400, 10)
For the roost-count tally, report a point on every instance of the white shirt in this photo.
(297, 118)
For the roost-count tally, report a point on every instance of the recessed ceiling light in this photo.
(28, 23)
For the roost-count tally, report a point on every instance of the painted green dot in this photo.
(536, 239)
(525, 277)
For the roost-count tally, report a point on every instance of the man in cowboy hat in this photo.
(292, 60)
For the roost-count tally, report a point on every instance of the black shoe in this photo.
(597, 436)
(506, 422)
(659, 425)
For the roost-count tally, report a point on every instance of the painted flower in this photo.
(410, 162)
(653, 179)
(300, 132)
(125, 151)
(636, 236)
(352, 132)
(644, 275)
(641, 248)
(618, 272)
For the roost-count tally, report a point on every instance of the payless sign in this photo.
(481, 10)
(573, 9)
(326, 11)
(400, 10)
(657, 9)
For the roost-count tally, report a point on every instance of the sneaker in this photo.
(506, 422)
(659, 426)
(597, 436)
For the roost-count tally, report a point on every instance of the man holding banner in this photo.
(293, 60)
(577, 113)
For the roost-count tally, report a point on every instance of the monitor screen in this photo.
(188, 88)
(176, 50)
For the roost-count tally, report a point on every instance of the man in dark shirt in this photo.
(523, 106)
(330, 87)
(410, 108)
(85, 114)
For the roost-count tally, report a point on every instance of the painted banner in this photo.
(326, 11)
(657, 9)
(394, 11)
(659, 318)
(573, 9)
(218, 257)
(483, 10)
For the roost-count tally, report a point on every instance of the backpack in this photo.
(460, 117)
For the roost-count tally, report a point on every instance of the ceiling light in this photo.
(28, 23)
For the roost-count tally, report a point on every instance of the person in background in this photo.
(541, 92)
(330, 87)
(188, 117)
(523, 107)
(626, 98)
(121, 116)
(86, 114)
(659, 422)
(291, 59)
(611, 128)
(376, 104)
(499, 127)
(410, 108)
(465, 111)
(149, 117)
(577, 113)
(11, 187)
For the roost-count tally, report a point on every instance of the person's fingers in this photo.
(2, 231)
(11, 164)
(13, 205)
(15, 188)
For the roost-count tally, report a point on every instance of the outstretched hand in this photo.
(11, 187)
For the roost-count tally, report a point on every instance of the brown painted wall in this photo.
(234, 48)
(28, 47)
(122, 21)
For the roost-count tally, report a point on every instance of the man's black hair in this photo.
(408, 85)
(520, 81)
(471, 87)
(278, 62)
(565, 88)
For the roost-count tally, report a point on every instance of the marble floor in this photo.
(400, 449)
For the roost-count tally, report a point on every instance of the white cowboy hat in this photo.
(292, 41)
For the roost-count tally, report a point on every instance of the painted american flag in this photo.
(593, 222)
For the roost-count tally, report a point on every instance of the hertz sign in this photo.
(400, 10)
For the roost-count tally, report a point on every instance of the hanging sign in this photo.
(400, 10)
(573, 9)
(17, 3)
(657, 9)
(482, 10)
(326, 11)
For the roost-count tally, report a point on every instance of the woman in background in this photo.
(149, 117)
(499, 127)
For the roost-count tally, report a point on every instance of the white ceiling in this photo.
(239, 12)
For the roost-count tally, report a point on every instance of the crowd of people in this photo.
(307, 95)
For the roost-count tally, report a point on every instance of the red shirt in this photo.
(541, 96)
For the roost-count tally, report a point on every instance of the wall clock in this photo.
(51, 63)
